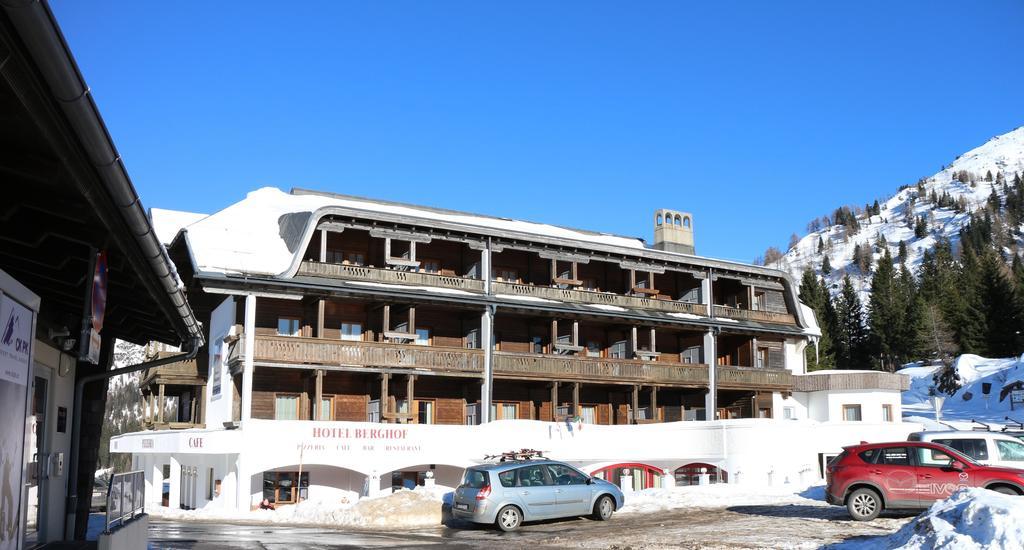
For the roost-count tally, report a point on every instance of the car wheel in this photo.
(603, 508)
(509, 518)
(864, 504)
(1003, 490)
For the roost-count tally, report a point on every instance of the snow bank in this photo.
(971, 519)
(968, 402)
(400, 510)
(720, 495)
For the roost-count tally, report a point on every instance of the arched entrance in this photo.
(644, 476)
(690, 474)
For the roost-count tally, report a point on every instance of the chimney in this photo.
(673, 231)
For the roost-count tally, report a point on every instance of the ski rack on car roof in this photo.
(1019, 427)
(985, 427)
(521, 454)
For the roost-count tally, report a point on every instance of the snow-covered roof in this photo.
(811, 327)
(261, 233)
(167, 223)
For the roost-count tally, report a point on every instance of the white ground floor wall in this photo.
(349, 459)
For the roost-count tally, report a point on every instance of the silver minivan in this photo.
(988, 448)
(509, 493)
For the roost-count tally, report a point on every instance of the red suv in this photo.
(908, 475)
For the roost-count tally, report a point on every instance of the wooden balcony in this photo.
(316, 351)
(180, 373)
(593, 369)
(753, 315)
(751, 378)
(388, 276)
(458, 361)
(577, 296)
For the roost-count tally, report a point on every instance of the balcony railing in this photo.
(180, 372)
(564, 367)
(754, 315)
(390, 276)
(730, 377)
(598, 298)
(316, 351)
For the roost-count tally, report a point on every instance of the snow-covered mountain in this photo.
(963, 187)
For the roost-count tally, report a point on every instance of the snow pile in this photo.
(969, 402)
(971, 519)
(400, 510)
(1003, 153)
(720, 495)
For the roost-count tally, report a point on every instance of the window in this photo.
(286, 407)
(430, 266)
(760, 302)
(691, 355)
(788, 413)
(354, 258)
(1012, 451)
(588, 283)
(894, 456)
(532, 476)
(761, 359)
(352, 331)
(887, 413)
(279, 487)
(593, 349)
(868, 456)
(659, 219)
(617, 350)
(504, 411)
(426, 412)
(686, 221)
(564, 475)
(373, 411)
(974, 448)
(422, 337)
(288, 326)
(588, 414)
(473, 338)
(474, 479)
(327, 407)
(851, 413)
(537, 344)
(932, 458)
(764, 413)
(507, 275)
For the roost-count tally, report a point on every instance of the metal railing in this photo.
(125, 498)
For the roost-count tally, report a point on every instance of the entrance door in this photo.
(37, 472)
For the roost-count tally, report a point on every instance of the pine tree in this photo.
(1000, 307)
(826, 267)
(814, 294)
(821, 245)
(850, 335)
(920, 227)
(902, 253)
(884, 314)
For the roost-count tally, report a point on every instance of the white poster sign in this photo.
(15, 341)
(16, 326)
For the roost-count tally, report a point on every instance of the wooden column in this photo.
(575, 333)
(192, 408)
(160, 405)
(410, 386)
(653, 347)
(576, 398)
(321, 307)
(554, 335)
(654, 403)
(323, 245)
(318, 394)
(554, 401)
(385, 400)
(635, 403)
(634, 346)
(145, 413)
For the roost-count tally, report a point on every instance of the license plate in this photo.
(461, 506)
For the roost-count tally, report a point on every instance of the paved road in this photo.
(738, 527)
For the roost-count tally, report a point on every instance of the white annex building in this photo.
(358, 346)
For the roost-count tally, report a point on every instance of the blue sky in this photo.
(754, 116)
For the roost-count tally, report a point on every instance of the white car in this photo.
(988, 448)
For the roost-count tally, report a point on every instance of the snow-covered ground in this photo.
(969, 402)
(720, 496)
(971, 519)
(403, 509)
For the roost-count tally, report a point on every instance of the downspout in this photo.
(72, 502)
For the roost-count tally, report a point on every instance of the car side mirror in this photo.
(958, 466)
(590, 481)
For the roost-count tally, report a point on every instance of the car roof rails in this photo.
(520, 455)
